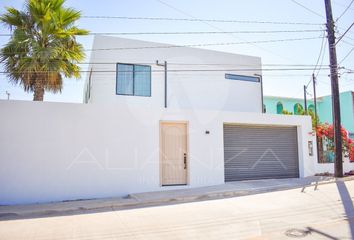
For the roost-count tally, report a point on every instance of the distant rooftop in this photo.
(293, 98)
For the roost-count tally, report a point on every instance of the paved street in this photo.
(322, 214)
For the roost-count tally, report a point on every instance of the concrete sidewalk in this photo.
(232, 189)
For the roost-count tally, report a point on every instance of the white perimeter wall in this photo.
(61, 151)
(186, 89)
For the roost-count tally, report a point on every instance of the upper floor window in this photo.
(241, 77)
(133, 80)
(280, 108)
(311, 108)
(298, 109)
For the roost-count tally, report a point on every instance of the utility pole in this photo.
(338, 165)
(314, 96)
(8, 95)
(305, 99)
(165, 87)
(262, 95)
(316, 119)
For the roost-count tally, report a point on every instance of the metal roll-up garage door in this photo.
(260, 152)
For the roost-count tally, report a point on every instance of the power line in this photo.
(203, 64)
(347, 55)
(308, 9)
(187, 33)
(349, 70)
(183, 70)
(289, 75)
(197, 64)
(265, 64)
(194, 64)
(281, 75)
(350, 44)
(324, 82)
(342, 5)
(79, 82)
(320, 53)
(321, 64)
(205, 44)
(216, 27)
(318, 59)
(209, 32)
(208, 20)
(200, 20)
(346, 31)
(345, 36)
(192, 45)
(347, 8)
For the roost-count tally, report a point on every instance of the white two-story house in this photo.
(156, 117)
(204, 108)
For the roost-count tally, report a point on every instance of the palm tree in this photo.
(43, 47)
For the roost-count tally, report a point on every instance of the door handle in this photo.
(185, 160)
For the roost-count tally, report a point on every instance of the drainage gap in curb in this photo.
(297, 233)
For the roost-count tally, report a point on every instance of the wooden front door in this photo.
(174, 153)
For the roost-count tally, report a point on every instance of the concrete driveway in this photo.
(326, 213)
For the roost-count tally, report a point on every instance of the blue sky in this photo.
(280, 83)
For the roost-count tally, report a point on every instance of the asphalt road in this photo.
(325, 213)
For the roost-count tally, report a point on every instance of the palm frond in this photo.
(43, 47)
(67, 17)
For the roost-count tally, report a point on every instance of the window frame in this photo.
(229, 76)
(132, 64)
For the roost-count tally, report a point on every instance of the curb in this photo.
(133, 201)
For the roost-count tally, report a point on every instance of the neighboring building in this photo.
(346, 107)
(199, 123)
(275, 105)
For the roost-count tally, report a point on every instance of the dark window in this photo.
(351, 135)
(311, 108)
(133, 80)
(241, 77)
(280, 108)
(298, 109)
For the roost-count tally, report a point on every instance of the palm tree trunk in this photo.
(38, 89)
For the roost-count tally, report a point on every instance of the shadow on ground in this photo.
(347, 204)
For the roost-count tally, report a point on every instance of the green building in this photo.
(276, 105)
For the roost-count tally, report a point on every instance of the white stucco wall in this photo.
(61, 151)
(204, 89)
(329, 167)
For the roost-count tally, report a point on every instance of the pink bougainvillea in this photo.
(326, 130)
